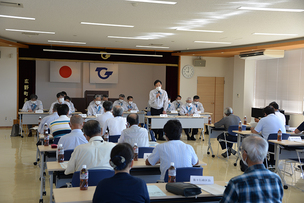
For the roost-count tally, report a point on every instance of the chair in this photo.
(67, 154)
(274, 136)
(95, 176)
(183, 174)
(56, 140)
(114, 138)
(142, 150)
(152, 134)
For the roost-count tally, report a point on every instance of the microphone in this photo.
(159, 93)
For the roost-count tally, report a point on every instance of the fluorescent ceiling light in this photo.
(157, 47)
(17, 17)
(31, 31)
(271, 9)
(119, 37)
(67, 42)
(209, 42)
(154, 2)
(99, 53)
(181, 29)
(104, 24)
(274, 34)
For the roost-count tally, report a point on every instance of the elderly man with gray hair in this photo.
(95, 106)
(257, 184)
(188, 109)
(118, 123)
(227, 121)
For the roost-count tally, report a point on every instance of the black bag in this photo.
(185, 189)
(15, 130)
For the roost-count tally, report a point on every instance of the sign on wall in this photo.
(65, 71)
(103, 73)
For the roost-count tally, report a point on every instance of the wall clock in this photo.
(188, 71)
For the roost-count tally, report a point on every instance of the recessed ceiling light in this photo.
(209, 42)
(157, 47)
(271, 9)
(181, 29)
(104, 24)
(31, 31)
(154, 2)
(17, 17)
(66, 42)
(119, 37)
(274, 34)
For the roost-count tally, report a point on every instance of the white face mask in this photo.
(97, 102)
(195, 102)
(158, 88)
(244, 161)
(33, 102)
(121, 100)
(178, 100)
(130, 102)
(61, 100)
(189, 104)
(169, 101)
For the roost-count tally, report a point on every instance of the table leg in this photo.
(51, 186)
(277, 159)
(41, 176)
(238, 148)
(20, 124)
(209, 143)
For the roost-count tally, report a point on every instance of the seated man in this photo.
(96, 107)
(60, 126)
(95, 154)
(171, 107)
(121, 102)
(188, 109)
(118, 123)
(183, 155)
(257, 184)
(104, 98)
(107, 106)
(134, 134)
(75, 137)
(178, 102)
(130, 104)
(48, 119)
(300, 128)
(60, 100)
(277, 112)
(229, 120)
(197, 104)
(68, 99)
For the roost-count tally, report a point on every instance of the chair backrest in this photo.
(114, 138)
(142, 150)
(235, 127)
(56, 140)
(67, 154)
(274, 136)
(183, 174)
(95, 176)
(152, 136)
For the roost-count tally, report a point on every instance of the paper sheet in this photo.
(35, 128)
(214, 189)
(154, 191)
(64, 164)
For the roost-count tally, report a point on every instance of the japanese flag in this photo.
(65, 71)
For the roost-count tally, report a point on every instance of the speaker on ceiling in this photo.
(199, 62)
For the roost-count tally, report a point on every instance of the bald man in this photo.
(75, 137)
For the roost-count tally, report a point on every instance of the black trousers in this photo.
(231, 138)
(271, 160)
(158, 132)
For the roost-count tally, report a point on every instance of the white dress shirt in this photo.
(102, 120)
(116, 125)
(185, 109)
(73, 139)
(93, 109)
(199, 107)
(95, 154)
(183, 155)
(135, 134)
(159, 102)
(132, 106)
(47, 120)
(281, 117)
(72, 106)
(123, 104)
(56, 102)
(28, 105)
(269, 124)
(177, 104)
(171, 107)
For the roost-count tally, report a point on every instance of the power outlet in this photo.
(5, 118)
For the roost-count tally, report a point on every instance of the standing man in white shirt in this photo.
(277, 112)
(107, 106)
(178, 102)
(96, 107)
(188, 109)
(134, 134)
(118, 123)
(75, 137)
(94, 154)
(130, 104)
(60, 100)
(158, 101)
(48, 119)
(121, 102)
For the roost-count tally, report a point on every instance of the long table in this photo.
(29, 118)
(141, 116)
(240, 135)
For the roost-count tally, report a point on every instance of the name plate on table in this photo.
(174, 112)
(146, 155)
(39, 111)
(97, 115)
(199, 112)
(163, 115)
(294, 138)
(83, 115)
(196, 115)
(202, 180)
(133, 111)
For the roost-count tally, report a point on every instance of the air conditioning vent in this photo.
(262, 54)
(11, 4)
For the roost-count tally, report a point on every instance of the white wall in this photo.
(8, 85)
(133, 79)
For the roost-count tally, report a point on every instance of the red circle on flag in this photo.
(65, 71)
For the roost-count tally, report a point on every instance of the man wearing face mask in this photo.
(199, 107)
(121, 102)
(96, 107)
(171, 107)
(188, 109)
(60, 100)
(131, 105)
(257, 184)
(178, 102)
(158, 101)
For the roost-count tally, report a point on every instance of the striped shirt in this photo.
(257, 184)
(60, 126)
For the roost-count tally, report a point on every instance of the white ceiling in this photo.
(153, 21)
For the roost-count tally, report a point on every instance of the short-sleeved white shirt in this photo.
(183, 155)
(135, 134)
(116, 125)
(103, 118)
(270, 124)
(281, 117)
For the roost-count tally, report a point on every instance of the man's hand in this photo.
(30, 110)
(164, 112)
(158, 94)
(256, 120)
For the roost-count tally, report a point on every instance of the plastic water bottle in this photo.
(240, 126)
(46, 141)
(280, 135)
(106, 136)
(135, 148)
(39, 120)
(84, 177)
(245, 120)
(172, 173)
(60, 153)
(209, 120)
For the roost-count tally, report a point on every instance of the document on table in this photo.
(154, 191)
(64, 164)
(214, 189)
